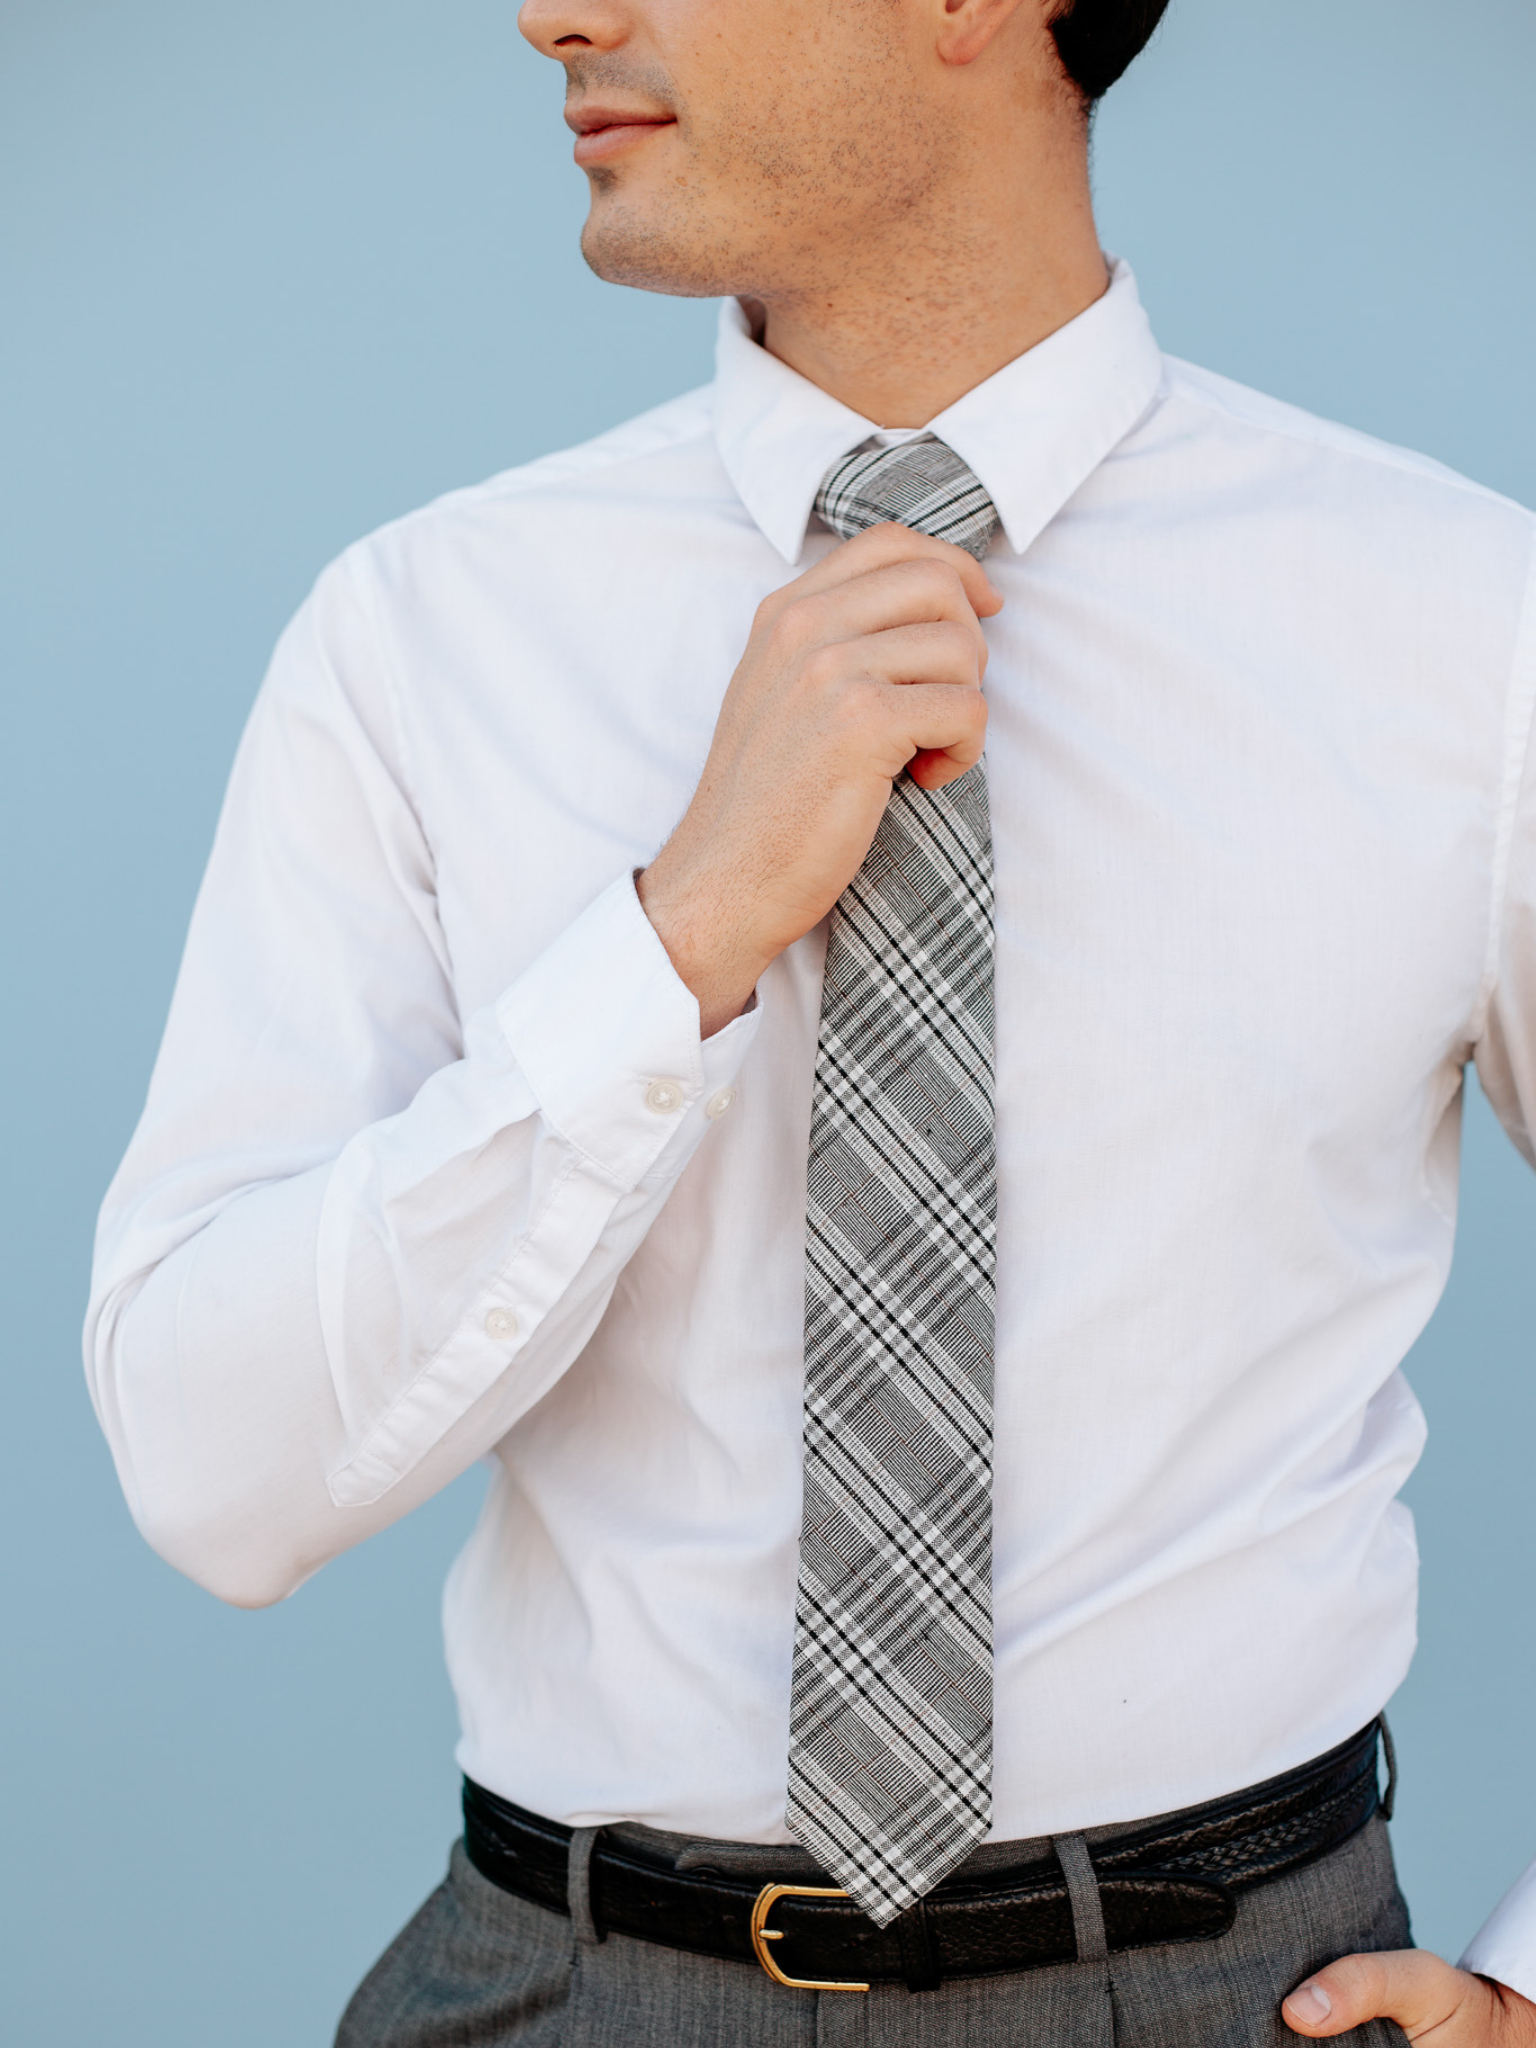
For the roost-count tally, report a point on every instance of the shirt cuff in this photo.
(1504, 1947)
(606, 1034)
(605, 1037)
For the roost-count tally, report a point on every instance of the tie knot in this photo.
(921, 484)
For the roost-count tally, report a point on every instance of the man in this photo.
(926, 1242)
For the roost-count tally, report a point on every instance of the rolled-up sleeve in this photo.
(354, 1239)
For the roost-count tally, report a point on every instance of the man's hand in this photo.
(1429, 1999)
(869, 663)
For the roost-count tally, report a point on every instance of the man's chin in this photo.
(651, 256)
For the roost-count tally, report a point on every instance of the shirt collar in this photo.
(1032, 433)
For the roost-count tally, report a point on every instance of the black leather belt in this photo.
(1177, 1879)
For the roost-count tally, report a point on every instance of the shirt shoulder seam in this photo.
(1277, 416)
(670, 425)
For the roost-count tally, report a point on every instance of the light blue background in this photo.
(271, 275)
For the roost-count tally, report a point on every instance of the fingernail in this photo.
(1310, 2002)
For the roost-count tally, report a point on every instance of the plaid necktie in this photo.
(890, 1763)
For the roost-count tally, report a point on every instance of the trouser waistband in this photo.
(1010, 1906)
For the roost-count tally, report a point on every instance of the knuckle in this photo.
(793, 619)
(821, 666)
(798, 638)
(935, 581)
(1358, 1981)
(860, 704)
(956, 648)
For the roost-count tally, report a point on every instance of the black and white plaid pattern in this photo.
(890, 1761)
(920, 483)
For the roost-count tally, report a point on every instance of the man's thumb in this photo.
(1408, 1985)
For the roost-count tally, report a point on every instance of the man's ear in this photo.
(967, 27)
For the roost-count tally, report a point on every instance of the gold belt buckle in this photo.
(762, 1933)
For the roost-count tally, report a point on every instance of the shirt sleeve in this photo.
(1505, 1947)
(1505, 1036)
(354, 1240)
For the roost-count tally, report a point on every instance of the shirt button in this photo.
(664, 1097)
(720, 1102)
(501, 1323)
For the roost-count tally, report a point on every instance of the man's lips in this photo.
(606, 132)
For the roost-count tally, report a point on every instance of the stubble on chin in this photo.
(768, 192)
(662, 247)
(656, 243)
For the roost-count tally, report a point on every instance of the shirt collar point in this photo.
(1032, 433)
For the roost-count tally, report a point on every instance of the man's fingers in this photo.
(939, 652)
(1408, 1985)
(883, 545)
(942, 731)
(931, 770)
(907, 593)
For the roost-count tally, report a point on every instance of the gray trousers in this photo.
(477, 1968)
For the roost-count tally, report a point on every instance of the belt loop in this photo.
(919, 1957)
(1389, 1751)
(578, 1887)
(1083, 1891)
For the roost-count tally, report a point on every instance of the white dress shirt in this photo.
(435, 1165)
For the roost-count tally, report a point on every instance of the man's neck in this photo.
(904, 332)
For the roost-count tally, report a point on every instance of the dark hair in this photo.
(1097, 39)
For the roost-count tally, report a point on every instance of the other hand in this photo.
(1431, 2002)
(869, 663)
